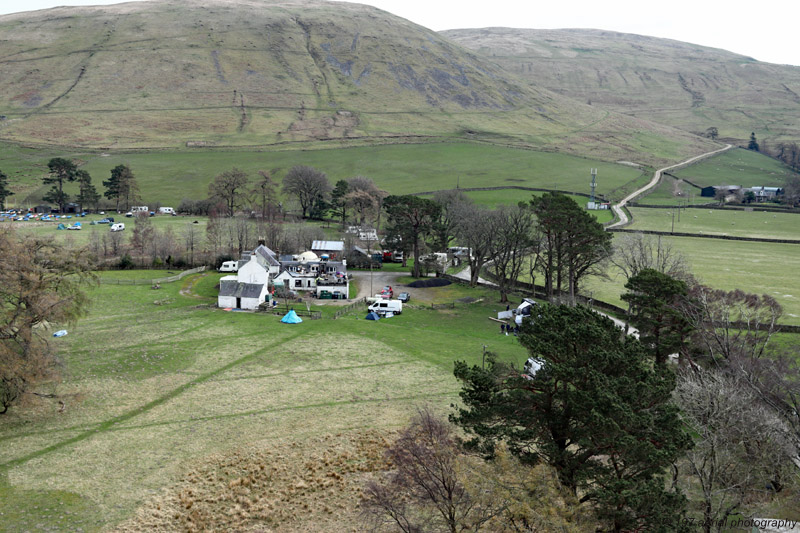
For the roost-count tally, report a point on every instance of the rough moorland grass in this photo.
(757, 223)
(150, 389)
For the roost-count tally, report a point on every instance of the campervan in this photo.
(119, 226)
(166, 211)
(229, 266)
(387, 306)
(139, 209)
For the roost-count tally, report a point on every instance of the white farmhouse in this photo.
(250, 286)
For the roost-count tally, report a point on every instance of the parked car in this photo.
(404, 297)
(387, 292)
(119, 226)
(107, 220)
(129, 214)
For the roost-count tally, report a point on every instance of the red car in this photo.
(387, 292)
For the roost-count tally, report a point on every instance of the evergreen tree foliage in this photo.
(61, 170)
(753, 144)
(412, 219)
(657, 301)
(87, 194)
(4, 190)
(597, 411)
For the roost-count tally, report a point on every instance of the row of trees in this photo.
(121, 186)
(551, 235)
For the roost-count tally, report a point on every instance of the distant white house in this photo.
(763, 194)
(364, 234)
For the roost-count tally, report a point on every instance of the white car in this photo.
(119, 226)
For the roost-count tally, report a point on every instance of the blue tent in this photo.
(291, 318)
(372, 316)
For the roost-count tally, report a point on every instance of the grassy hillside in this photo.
(168, 177)
(684, 85)
(255, 73)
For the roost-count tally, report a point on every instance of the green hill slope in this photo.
(169, 73)
(684, 85)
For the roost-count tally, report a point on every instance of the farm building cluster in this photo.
(321, 272)
(760, 193)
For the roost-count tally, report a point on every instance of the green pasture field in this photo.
(151, 390)
(167, 177)
(755, 267)
(496, 198)
(757, 223)
(671, 191)
(737, 167)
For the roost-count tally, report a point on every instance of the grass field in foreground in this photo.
(760, 268)
(152, 390)
(168, 177)
(757, 223)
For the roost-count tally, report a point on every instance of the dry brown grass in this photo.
(310, 485)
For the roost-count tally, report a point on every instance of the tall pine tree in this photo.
(597, 411)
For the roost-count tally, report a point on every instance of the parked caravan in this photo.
(229, 266)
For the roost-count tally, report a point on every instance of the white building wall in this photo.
(252, 272)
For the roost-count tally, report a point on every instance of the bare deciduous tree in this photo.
(475, 229)
(730, 323)
(634, 252)
(230, 188)
(307, 184)
(364, 198)
(740, 445)
(425, 492)
(513, 239)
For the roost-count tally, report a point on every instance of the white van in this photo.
(229, 266)
(382, 307)
(166, 211)
(119, 226)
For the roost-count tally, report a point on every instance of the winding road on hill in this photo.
(618, 208)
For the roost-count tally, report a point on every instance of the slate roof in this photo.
(240, 290)
(268, 255)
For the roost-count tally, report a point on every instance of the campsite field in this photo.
(178, 226)
(755, 224)
(155, 392)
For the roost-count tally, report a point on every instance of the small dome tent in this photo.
(291, 318)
